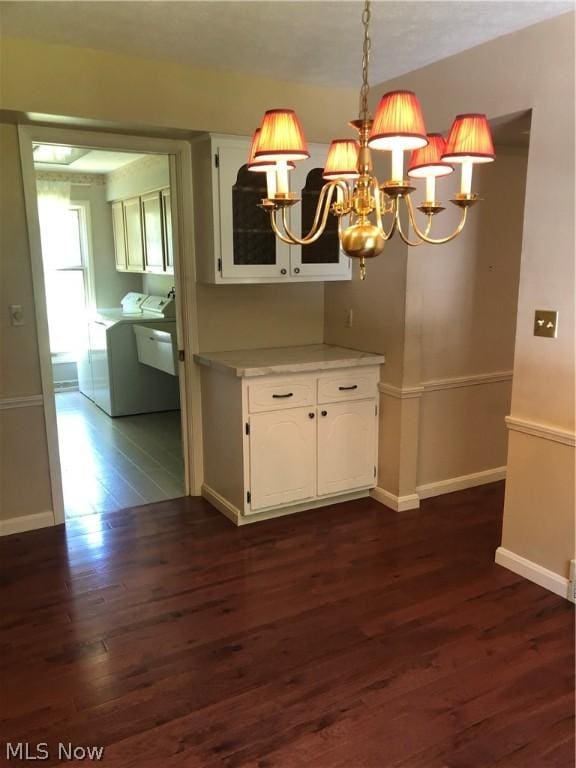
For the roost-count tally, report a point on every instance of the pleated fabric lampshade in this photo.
(342, 160)
(281, 137)
(469, 140)
(427, 161)
(398, 123)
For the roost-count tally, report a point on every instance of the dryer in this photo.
(109, 372)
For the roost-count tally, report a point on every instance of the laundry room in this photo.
(108, 262)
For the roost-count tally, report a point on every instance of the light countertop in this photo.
(260, 362)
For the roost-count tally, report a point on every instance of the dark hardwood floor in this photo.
(349, 637)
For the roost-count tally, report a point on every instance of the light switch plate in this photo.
(16, 314)
(546, 323)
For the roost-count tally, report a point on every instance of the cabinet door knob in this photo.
(310, 415)
(324, 413)
(283, 271)
(296, 270)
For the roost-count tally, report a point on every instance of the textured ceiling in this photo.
(314, 42)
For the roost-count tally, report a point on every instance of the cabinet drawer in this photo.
(280, 393)
(347, 386)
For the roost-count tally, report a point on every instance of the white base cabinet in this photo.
(281, 443)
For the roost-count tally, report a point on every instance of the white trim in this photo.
(236, 516)
(25, 137)
(400, 393)
(452, 484)
(26, 523)
(456, 382)
(537, 429)
(180, 156)
(30, 401)
(397, 503)
(533, 572)
(434, 385)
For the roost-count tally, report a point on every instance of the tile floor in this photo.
(108, 464)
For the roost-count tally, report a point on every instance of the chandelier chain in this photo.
(365, 60)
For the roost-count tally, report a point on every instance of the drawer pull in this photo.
(290, 394)
(324, 413)
(354, 386)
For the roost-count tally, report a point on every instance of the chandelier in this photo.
(369, 212)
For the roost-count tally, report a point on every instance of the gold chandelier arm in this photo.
(320, 218)
(379, 213)
(403, 236)
(424, 235)
(276, 229)
(394, 224)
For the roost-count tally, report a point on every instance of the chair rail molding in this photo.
(400, 393)
(539, 429)
(456, 382)
(453, 382)
(29, 401)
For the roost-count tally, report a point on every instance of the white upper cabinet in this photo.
(234, 239)
(119, 236)
(133, 223)
(143, 233)
(153, 234)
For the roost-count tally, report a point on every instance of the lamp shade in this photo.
(470, 140)
(281, 137)
(398, 123)
(342, 160)
(427, 161)
(263, 166)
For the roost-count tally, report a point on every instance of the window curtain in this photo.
(53, 204)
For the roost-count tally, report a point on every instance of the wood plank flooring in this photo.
(109, 464)
(348, 637)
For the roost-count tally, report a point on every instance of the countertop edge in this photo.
(305, 367)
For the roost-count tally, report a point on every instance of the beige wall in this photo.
(19, 363)
(63, 80)
(531, 69)
(23, 451)
(469, 301)
(128, 92)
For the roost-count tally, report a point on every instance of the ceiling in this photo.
(94, 161)
(316, 41)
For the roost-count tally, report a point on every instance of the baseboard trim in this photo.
(397, 503)
(221, 504)
(26, 523)
(31, 401)
(551, 581)
(460, 483)
(236, 516)
(538, 429)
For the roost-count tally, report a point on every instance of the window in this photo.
(67, 279)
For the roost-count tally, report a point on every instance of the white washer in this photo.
(109, 372)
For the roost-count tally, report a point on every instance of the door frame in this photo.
(180, 158)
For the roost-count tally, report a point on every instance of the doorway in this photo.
(119, 397)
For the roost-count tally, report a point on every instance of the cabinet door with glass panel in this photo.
(249, 251)
(322, 259)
